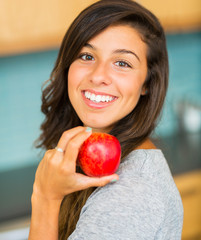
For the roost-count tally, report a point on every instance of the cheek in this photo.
(131, 89)
(73, 78)
(70, 76)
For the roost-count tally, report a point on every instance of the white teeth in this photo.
(107, 98)
(87, 94)
(103, 98)
(93, 97)
(97, 98)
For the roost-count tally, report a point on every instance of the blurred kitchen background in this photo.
(30, 35)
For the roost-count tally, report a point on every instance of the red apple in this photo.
(100, 155)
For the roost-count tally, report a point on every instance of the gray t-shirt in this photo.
(143, 204)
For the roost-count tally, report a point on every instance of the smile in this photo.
(97, 98)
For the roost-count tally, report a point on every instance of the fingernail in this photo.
(113, 180)
(88, 129)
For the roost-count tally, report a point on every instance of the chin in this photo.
(98, 127)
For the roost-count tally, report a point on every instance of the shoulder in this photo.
(147, 164)
(131, 203)
(145, 190)
(133, 207)
(150, 168)
(143, 175)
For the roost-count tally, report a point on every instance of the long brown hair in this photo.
(136, 126)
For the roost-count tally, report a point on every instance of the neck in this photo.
(147, 144)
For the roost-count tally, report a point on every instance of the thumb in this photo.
(101, 181)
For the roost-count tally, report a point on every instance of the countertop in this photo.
(182, 151)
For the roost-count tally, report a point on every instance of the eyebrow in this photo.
(122, 51)
(125, 51)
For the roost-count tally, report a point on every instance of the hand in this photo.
(56, 174)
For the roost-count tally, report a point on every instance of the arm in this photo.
(44, 219)
(56, 177)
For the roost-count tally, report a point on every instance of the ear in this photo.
(144, 90)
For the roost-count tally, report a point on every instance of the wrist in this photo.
(44, 218)
(47, 198)
(43, 203)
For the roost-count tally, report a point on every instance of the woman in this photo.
(111, 75)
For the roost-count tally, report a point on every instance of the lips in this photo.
(97, 99)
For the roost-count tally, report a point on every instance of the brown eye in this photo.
(86, 57)
(123, 64)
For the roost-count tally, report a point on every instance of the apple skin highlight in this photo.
(100, 155)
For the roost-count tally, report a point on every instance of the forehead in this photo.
(119, 36)
(118, 29)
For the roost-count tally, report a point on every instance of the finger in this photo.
(86, 182)
(67, 135)
(73, 146)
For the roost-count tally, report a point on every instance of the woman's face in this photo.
(106, 80)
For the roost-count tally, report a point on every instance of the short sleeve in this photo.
(120, 211)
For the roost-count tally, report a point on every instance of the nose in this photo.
(100, 74)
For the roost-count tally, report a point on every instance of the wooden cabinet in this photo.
(189, 186)
(35, 25)
(176, 15)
